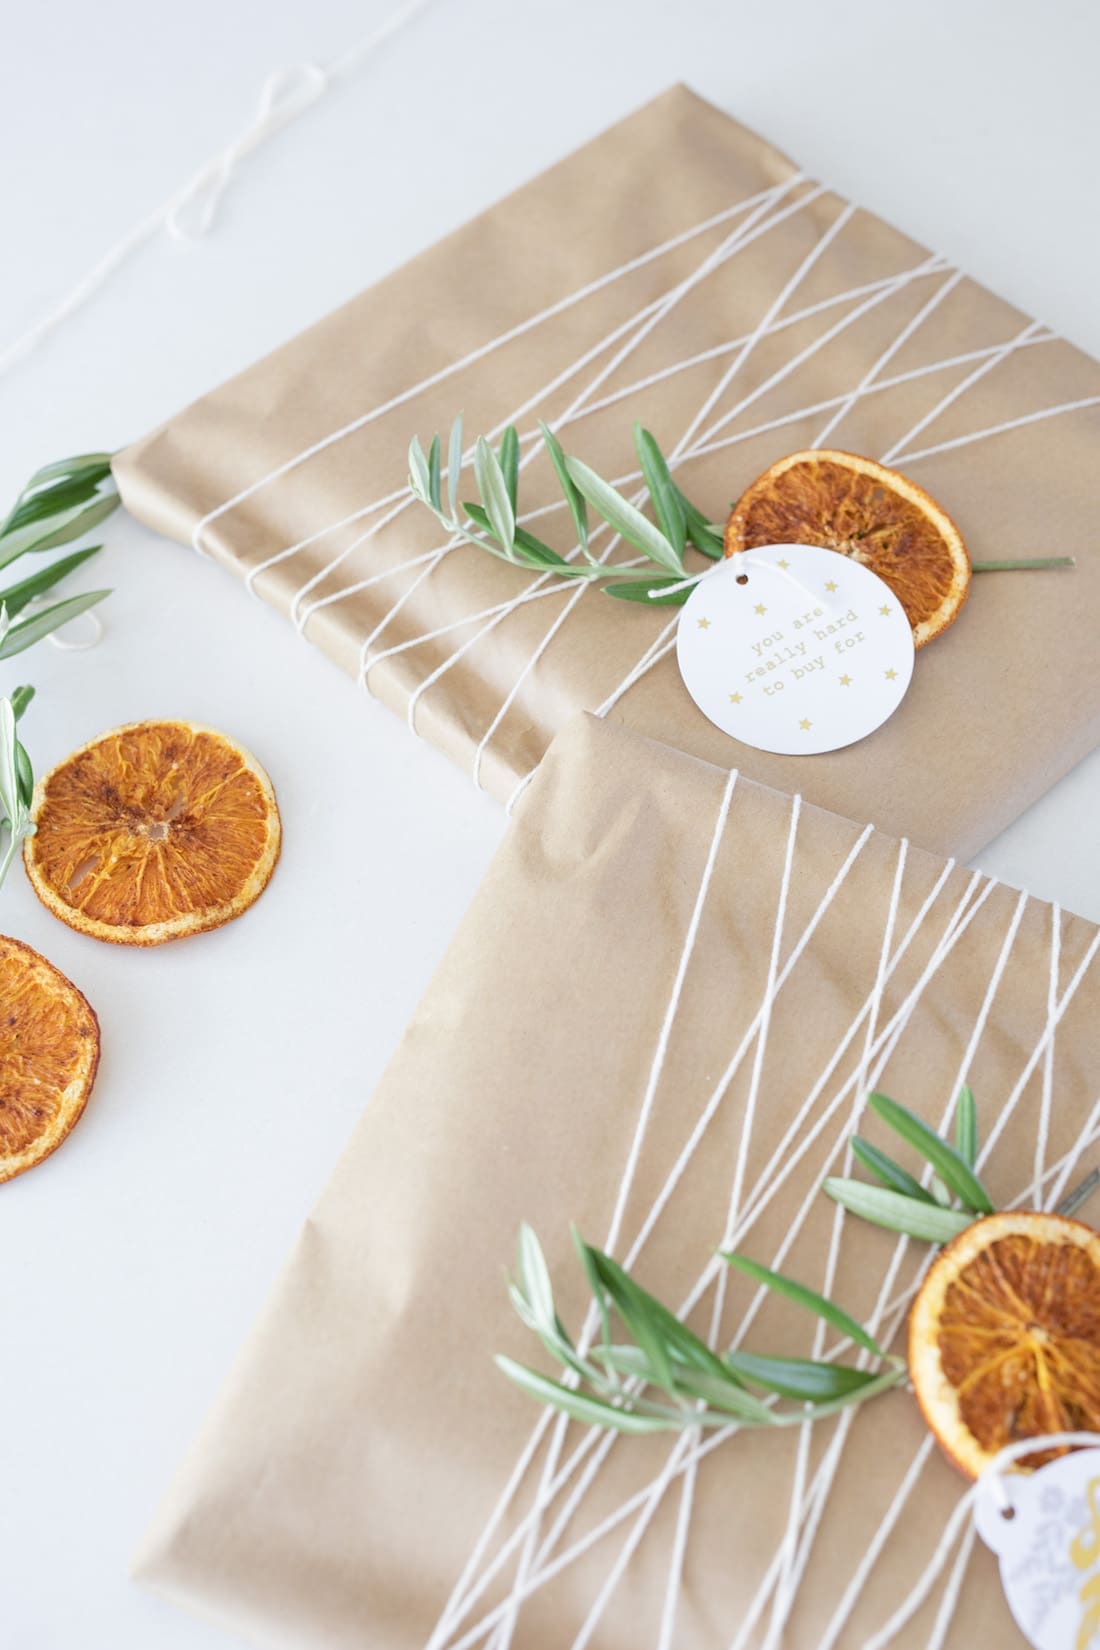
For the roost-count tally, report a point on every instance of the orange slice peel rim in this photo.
(1004, 1337)
(861, 508)
(153, 831)
(49, 1055)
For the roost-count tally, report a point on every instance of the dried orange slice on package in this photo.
(866, 511)
(49, 1050)
(1004, 1336)
(152, 832)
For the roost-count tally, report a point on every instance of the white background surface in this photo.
(234, 1065)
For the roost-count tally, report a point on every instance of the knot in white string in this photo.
(285, 95)
(697, 578)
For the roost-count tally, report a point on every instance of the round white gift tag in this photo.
(1045, 1530)
(795, 649)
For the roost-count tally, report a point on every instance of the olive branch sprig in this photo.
(16, 778)
(954, 1197)
(492, 522)
(60, 503)
(609, 1385)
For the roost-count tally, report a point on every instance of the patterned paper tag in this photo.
(795, 649)
(1048, 1544)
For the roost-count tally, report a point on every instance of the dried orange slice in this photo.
(1004, 1336)
(151, 832)
(49, 1050)
(866, 511)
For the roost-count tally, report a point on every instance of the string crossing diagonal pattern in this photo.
(539, 1532)
(647, 329)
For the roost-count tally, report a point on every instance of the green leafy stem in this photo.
(954, 1197)
(492, 522)
(667, 1378)
(59, 504)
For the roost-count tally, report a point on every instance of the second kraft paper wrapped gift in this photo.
(681, 271)
(659, 1018)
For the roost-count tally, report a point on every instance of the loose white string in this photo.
(188, 214)
(67, 640)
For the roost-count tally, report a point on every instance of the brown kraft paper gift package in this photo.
(658, 1019)
(680, 271)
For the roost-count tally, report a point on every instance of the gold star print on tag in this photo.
(806, 724)
(891, 675)
(760, 608)
(735, 698)
(885, 611)
(845, 681)
(831, 585)
(704, 624)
